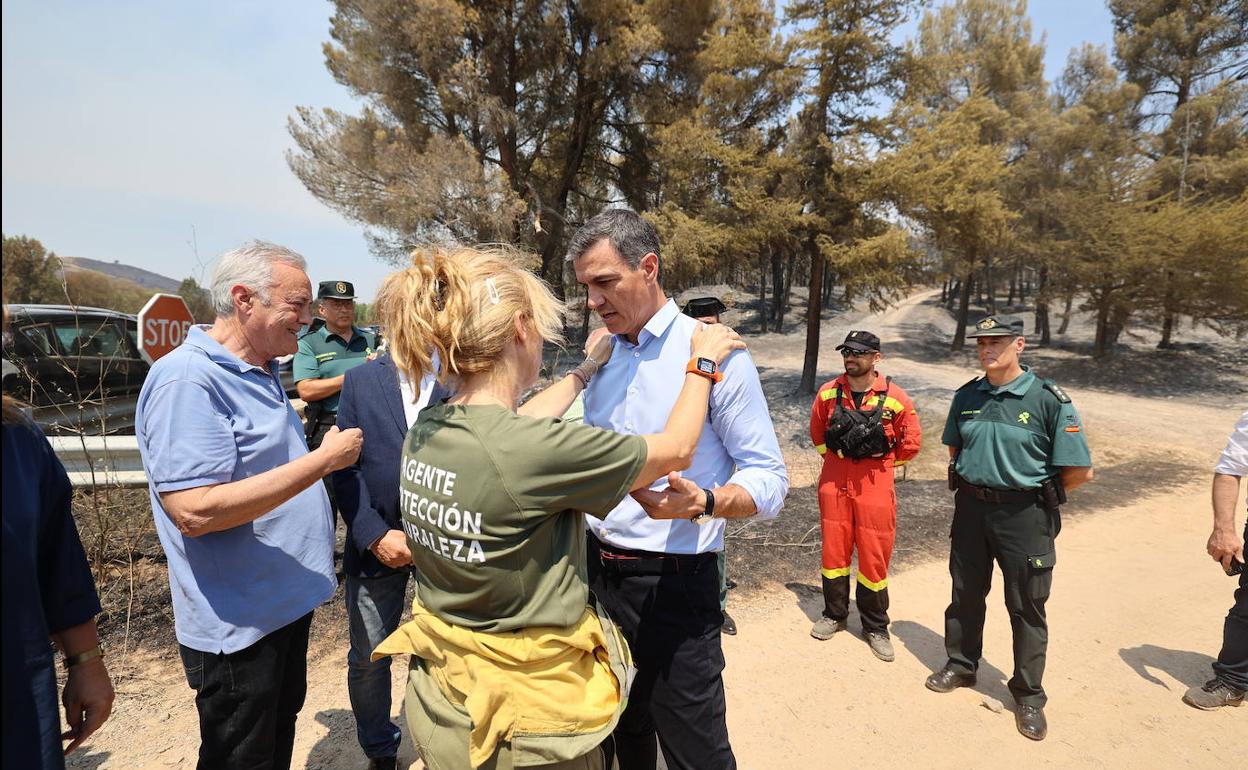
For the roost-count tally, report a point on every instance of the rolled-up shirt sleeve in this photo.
(740, 418)
(1234, 460)
(189, 439)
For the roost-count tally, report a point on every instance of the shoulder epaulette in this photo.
(1056, 390)
(968, 383)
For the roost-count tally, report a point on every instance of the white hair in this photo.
(249, 265)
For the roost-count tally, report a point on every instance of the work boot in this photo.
(825, 628)
(383, 763)
(1214, 695)
(881, 646)
(948, 680)
(1030, 722)
(730, 626)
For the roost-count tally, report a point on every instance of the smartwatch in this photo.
(708, 512)
(705, 367)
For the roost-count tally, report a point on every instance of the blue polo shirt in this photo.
(205, 417)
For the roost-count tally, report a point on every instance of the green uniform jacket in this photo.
(323, 354)
(1014, 436)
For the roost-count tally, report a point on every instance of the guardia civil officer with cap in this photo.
(326, 353)
(1016, 446)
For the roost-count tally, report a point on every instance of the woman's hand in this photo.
(715, 341)
(599, 345)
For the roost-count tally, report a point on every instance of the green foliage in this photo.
(31, 272)
(766, 144)
(198, 300)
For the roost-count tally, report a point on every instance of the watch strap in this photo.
(692, 368)
(84, 656)
(707, 512)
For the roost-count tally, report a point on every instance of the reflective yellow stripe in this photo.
(821, 448)
(890, 403)
(880, 586)
(827, 395)
(833, 574)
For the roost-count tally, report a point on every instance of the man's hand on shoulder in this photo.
(341, 447)
(391, 549)
(682, 499)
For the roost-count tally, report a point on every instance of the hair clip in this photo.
(495, 297)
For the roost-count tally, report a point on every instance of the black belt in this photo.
(993, 495)
(628, 561)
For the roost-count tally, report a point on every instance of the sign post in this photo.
(163, 324)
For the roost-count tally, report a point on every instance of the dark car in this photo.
(79, 368)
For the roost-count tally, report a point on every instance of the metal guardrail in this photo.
(100, 460)
(108, 460)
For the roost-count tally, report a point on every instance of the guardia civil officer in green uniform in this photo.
(326, 352)
(1016, 446)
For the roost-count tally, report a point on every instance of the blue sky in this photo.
(153, 132)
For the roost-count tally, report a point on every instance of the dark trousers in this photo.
(248, 700)
(1020, 537)
(374, 607)
(872, 605)
(1232, 663)
(669, 612)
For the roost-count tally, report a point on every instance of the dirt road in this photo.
(1136, 617)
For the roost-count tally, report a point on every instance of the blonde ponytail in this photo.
(462, 304)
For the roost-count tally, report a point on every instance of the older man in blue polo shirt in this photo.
(652, 560)
(245, 526)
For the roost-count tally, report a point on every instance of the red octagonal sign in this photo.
(163, 323)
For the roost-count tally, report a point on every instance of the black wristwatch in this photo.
(708, 512)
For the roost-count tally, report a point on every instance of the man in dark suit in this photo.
(376, 561)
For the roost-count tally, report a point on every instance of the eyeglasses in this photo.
(847, 353)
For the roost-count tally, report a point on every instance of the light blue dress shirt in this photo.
(635, 392)
(204, 417)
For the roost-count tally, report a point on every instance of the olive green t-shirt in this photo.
(492, 505)
(1014, 436)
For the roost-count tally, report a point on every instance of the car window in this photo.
(90, 338)
(35, 340)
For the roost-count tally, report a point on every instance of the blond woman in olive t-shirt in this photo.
(492, 495)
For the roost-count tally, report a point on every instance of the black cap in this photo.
(701, 307)
(860, 342)
(998, 326)
(336, 290)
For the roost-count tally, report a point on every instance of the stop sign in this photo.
(163, 323)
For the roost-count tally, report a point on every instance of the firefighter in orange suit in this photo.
(864, 425)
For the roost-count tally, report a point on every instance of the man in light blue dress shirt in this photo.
(652, 560)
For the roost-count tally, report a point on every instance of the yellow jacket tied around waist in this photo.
(551, 693)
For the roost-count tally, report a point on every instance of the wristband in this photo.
(586, 370)
(83, 657)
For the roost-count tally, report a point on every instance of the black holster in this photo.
(952, 475)
(312, 414)
(1052, 493)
